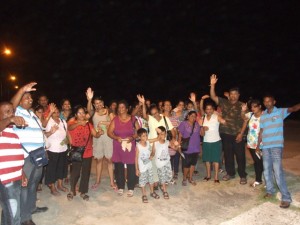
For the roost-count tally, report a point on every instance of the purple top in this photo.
(123, 130)
(185, 129)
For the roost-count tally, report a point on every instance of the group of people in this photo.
(142, 144)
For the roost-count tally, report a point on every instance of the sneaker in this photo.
(227, 177)
(255, 184)
(284, 204)
(243, 180)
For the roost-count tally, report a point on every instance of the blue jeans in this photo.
(28, 194)
(12, 201)
(272, 158)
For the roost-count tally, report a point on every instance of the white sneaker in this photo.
(255, 184)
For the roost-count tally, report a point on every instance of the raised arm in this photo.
(17, 97)
(142, 100)
(193, 100)
(213, 81)
(44, 119)
(294, 108)
(89, 95)
(201, 104)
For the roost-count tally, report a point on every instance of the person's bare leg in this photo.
(110, 172)
(216, 170)
(99, 163)
(191, 172)
(208, 169)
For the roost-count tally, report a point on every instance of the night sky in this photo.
(162, 49)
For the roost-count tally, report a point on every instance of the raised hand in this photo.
(205, 97)
(141, 98)
(29, 87)
(52, 107)
(89, 93)
(244, 107)
(193, 97)
(213, 79)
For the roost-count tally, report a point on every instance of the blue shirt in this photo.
(31, 136)
(272, 125)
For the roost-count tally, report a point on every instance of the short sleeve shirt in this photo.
(231, 113)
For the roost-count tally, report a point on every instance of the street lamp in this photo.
(7, 51)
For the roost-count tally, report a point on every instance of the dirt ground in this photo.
(206, 203)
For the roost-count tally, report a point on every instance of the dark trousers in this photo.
(6, 216)
(233, 149)
(258, 165)
(175, 162)
(56, 167)
(120, 175)
(82, 169)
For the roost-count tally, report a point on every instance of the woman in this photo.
(252, 121)
(66, 110)
(81, 132)
(175, 156)
(212, 147)
(103, 146)
(122, 130)
(56, 131)
(190, 128)
(112, 110)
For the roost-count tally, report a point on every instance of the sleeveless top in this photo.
(212, 134)
(144, 157)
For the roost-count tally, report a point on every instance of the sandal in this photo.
(184, 183)
(206, 179)
(193, 182)
(70, 196)
(154, 195)
(120, 192)
(55, 193)
(217, 181)
(166, 195)
(144, 199)
(85, 197)
(95, 186)
(130, 193)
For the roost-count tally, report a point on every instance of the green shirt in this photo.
(231, 113)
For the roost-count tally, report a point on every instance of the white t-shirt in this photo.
(144, 157)
(153, 124)
(162, 156)
(55, 140)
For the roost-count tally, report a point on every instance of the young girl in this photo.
(143, 165)
(162, 158)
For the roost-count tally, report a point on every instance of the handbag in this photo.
(186, 141)
(75, 153)
(169, 133)
(38, 157)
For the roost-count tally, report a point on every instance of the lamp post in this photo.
(5, 53)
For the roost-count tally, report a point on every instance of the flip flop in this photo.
(166, 195)
(95, 186)
(144, 199)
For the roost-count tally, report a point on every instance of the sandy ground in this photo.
(207, 203)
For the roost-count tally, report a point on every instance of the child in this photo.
(143, 165)
(162, 158)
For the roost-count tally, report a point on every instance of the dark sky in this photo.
(163, 49)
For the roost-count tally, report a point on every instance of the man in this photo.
(11, 163)
(31, 138)
(271, 135)
(231, 134)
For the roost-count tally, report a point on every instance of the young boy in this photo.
(143, 165)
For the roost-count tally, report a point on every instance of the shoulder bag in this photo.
(186, 141)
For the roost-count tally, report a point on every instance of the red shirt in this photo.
(11, 156)
(80, 136)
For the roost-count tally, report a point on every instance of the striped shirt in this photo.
(31, 137)
(272, 125)
(11, 156)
